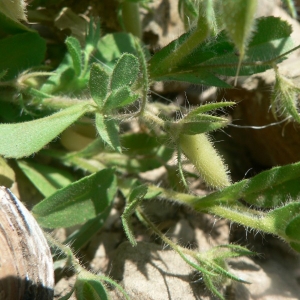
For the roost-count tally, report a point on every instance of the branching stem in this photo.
(180, 250)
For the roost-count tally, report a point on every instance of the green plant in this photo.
(107, 80)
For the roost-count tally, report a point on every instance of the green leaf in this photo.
(280, 217)
(265, 45)
(154, 63)
(90, 150)
(238, 17)
(273, 187)
(183, 72)
(139, 143)
(125, 72)
(93, 34)
(87, 165)
(195, 77)
(63, 76)
(228, 251)
(138, 192)
(93, 289)
(210, 284)
(277, 40)
(108, 130)
(135, 198)
(129, 164)
(292, 230)
(36, 93)
(189, 42)
(217, 56)
(64, 80)
(279, 193)
(199, 123)
(16, 59)
(23, 139)
(71, 159)
(127, 101)
(119, 98)
(262, 190)
(203, 118)
(99, 84)
(207, 107)
(81, 237)
(112, 46)
(45, 178)
(89, 287)
(201, 126)
(74, 49)
(90, 196)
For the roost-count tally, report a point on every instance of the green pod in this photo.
(200, 151)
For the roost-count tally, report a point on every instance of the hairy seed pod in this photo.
(26, 266)
(201, 153)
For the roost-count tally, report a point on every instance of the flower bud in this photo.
(284, 99)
